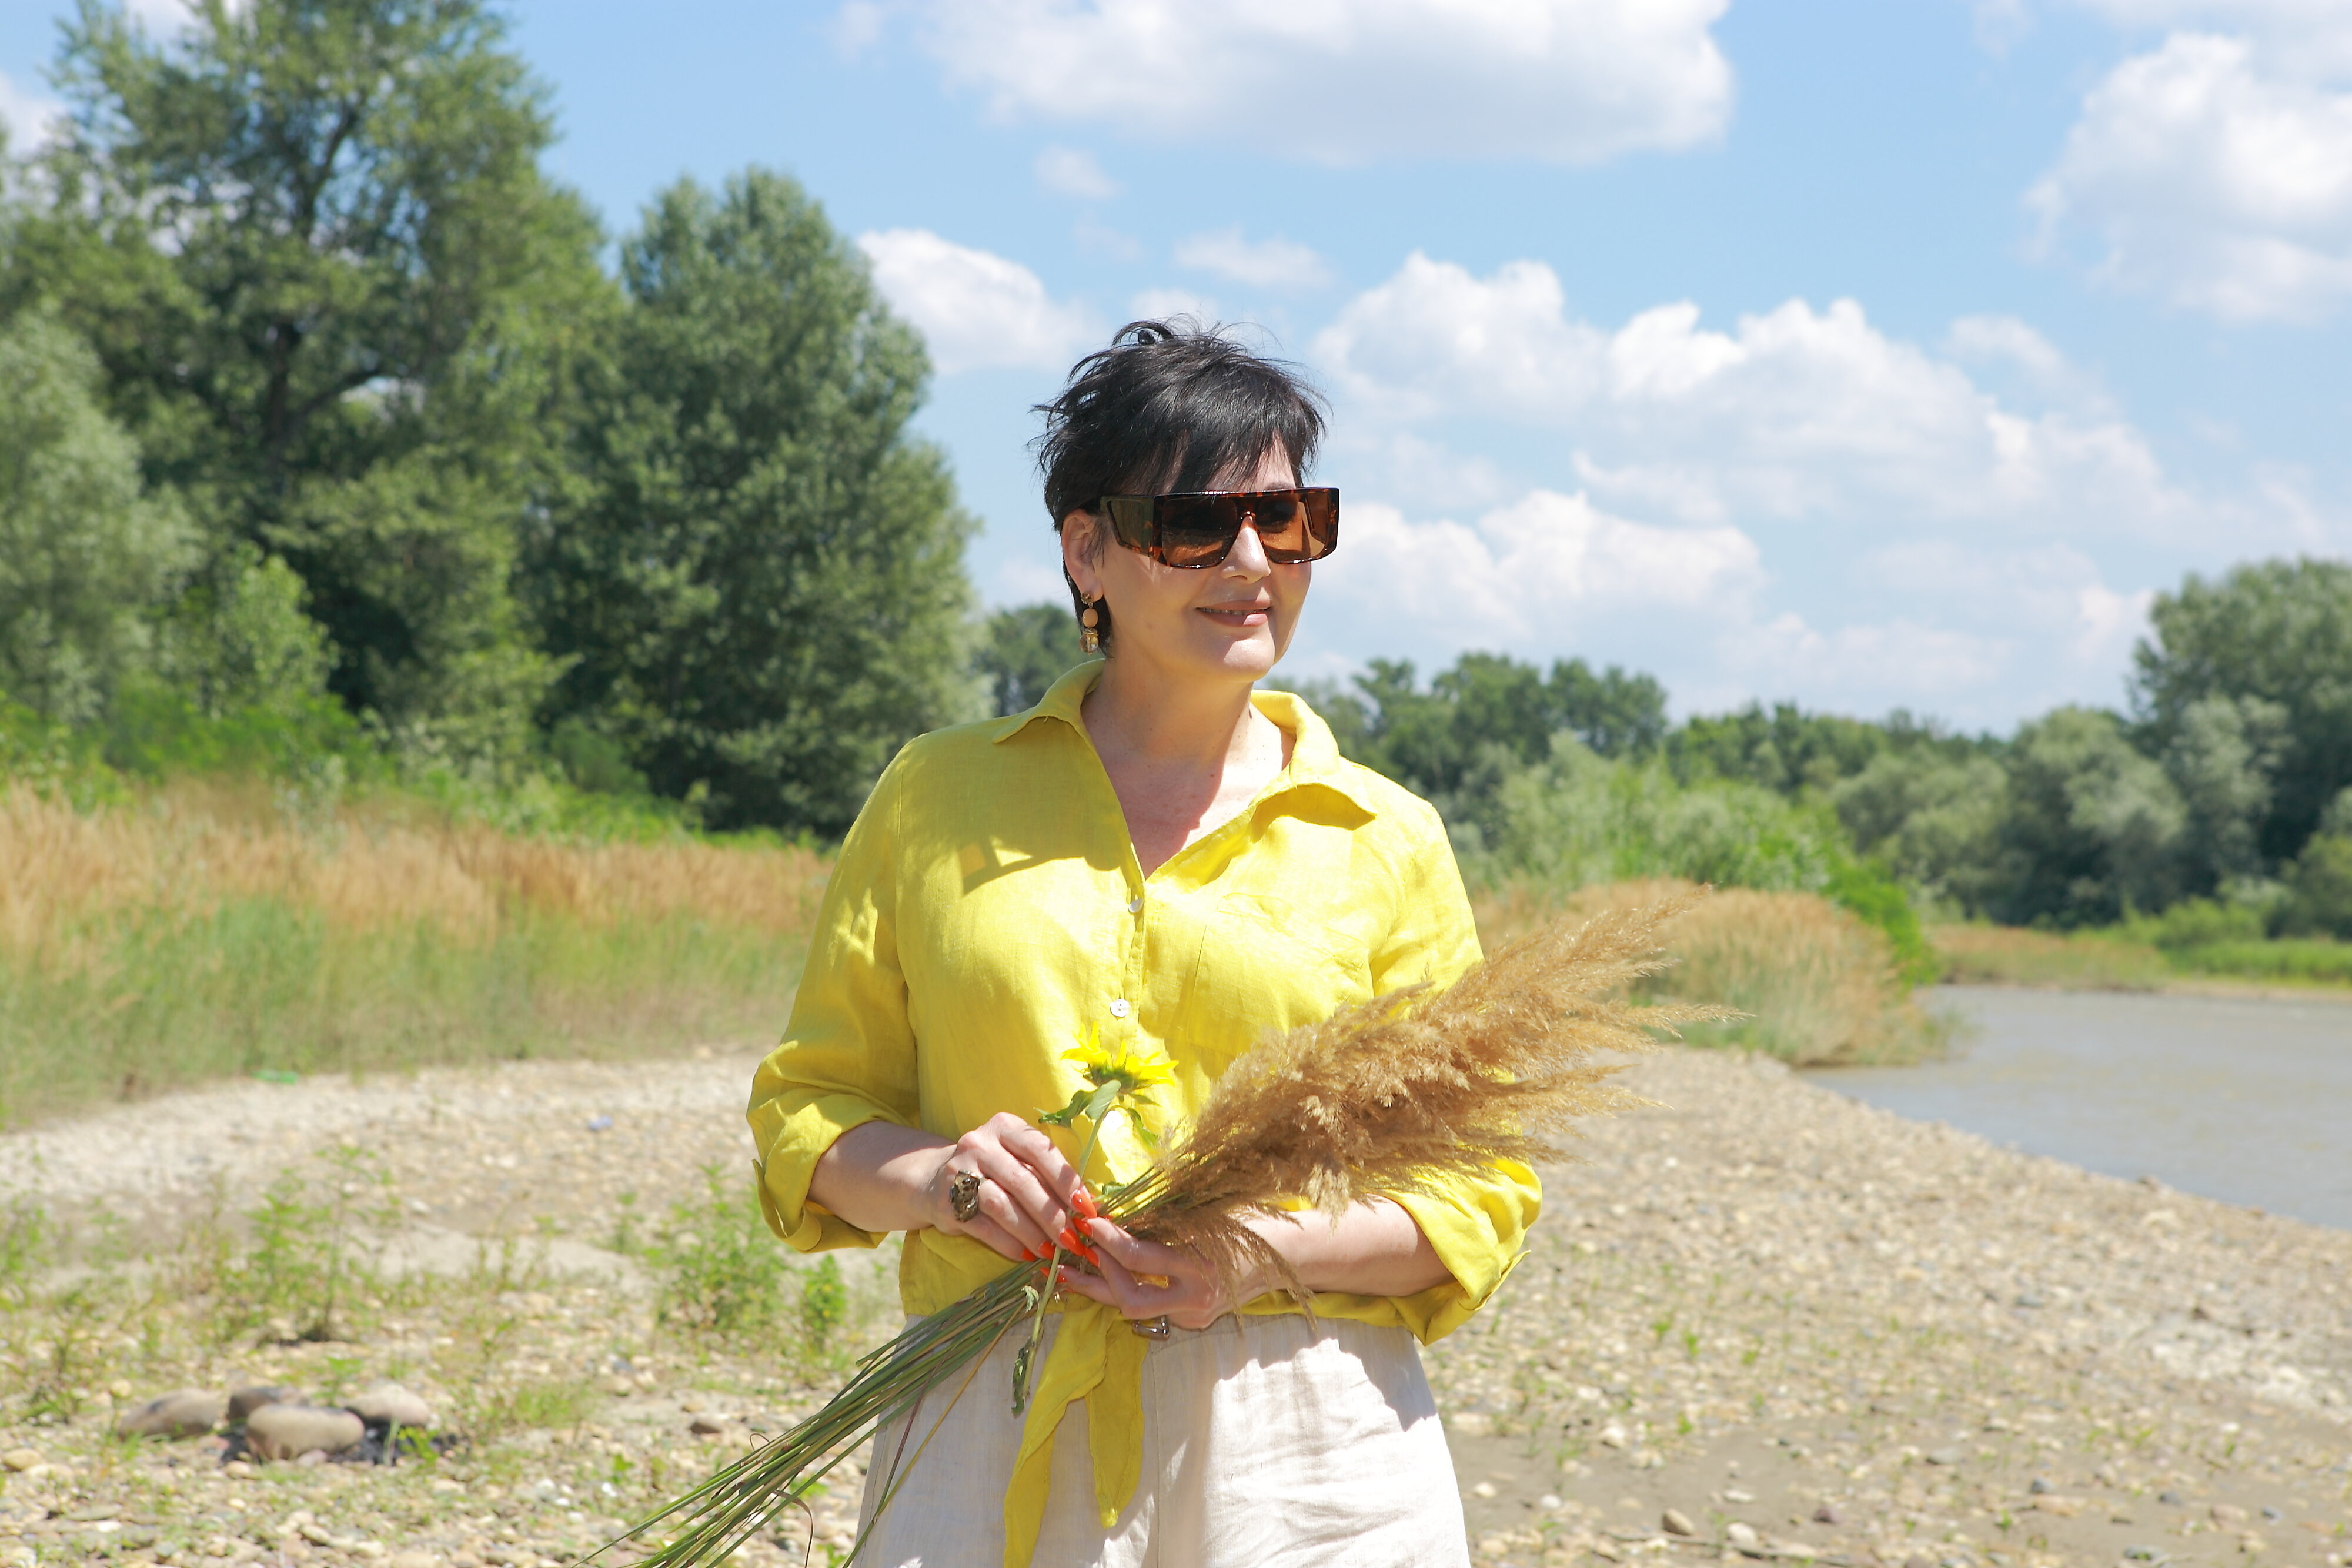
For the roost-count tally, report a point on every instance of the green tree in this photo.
(1934, 820)
(2222, 755)
(1023, 650)
(311, 241)
(85, 553)
(1613, 713)
(758, 583)
(2091, 829)
(2276, 633)
(1787, 749)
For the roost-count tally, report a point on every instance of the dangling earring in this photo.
(1089, 639)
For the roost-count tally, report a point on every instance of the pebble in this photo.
(21, 1459)
(189, 1413)
(289, 1431)
(1740, 1535)
(2170, 1499)
(1825, 1514)
(1674, 1521)
(390, 1402)
(244, 1402)
(1945, 1456)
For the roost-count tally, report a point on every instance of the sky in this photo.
(1866, 353)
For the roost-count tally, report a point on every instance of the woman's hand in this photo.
(1027, 1189)
(1143, 1279)
(1376, 1250)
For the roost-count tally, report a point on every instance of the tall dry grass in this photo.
(1820, 987)
(202, 933)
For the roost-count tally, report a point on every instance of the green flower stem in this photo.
(1022, 1364)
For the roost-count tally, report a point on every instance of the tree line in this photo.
(2222, 792)
(321, 417)
(327, 431)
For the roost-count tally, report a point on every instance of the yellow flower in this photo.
(1122, 1064)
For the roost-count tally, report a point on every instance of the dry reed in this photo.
(1818, 986)
(2081, 961)
(200, 933)
(1407, 1090)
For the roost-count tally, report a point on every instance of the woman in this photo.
(1160, 857)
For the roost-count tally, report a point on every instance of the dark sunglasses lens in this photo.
(1197, 532)
(1300, 528)
(1130, 519)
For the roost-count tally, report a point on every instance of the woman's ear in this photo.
(1081, 549)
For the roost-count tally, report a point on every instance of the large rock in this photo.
(245, 1401)
(290, 1431)
(190, 1413)
(391, 1402)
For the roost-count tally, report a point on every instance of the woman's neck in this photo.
(1159, 724)
(1183, 757)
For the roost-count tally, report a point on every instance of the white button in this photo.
(1135, 905)
(1119, 1008)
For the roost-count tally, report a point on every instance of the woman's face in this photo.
(1233, 618)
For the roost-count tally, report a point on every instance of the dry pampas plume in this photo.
(1408, 1089)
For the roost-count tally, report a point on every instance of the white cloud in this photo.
(2215, 170)
(1342, 81)
(1261, 264)
(1072, 171)
(27, 115)
(976, 309)
(1796, 503)
(1795, 414)
(1530, 570)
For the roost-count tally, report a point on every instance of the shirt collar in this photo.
(1314, 757)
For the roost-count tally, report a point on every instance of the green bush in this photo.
(2309, 960)
(2196, 922)
(2319, 889)
(1583, 821)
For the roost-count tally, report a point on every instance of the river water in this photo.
(2247, 1099)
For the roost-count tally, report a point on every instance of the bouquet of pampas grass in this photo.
(1385, 1097)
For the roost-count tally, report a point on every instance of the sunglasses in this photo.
(1198, 530)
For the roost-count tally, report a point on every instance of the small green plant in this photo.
(28, 1240)
(307, 1273)
(337, 1377)
(823, 1308)
(721, 1273)
(624, 1237)
(535, 1404)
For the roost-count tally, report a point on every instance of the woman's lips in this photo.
(1237, 614)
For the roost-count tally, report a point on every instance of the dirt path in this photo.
(1803, 1325)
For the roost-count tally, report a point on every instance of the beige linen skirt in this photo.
(1268, 1442)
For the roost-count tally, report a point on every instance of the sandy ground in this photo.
(1758, 1322)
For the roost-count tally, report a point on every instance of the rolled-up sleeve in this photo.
(848, 1054)
(1477, 1225)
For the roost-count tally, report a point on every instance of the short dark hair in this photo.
(1170, 405)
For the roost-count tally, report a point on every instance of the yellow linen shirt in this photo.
(988, 909)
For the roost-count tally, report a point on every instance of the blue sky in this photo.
(1869, 354)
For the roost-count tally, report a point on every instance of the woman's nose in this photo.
(1247, 557)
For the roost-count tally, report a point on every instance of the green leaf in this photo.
(1081, 1104)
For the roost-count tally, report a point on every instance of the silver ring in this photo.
(963, 1196)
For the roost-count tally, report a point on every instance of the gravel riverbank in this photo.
(1759, 1322)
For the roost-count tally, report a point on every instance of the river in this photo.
(2247, 1099)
